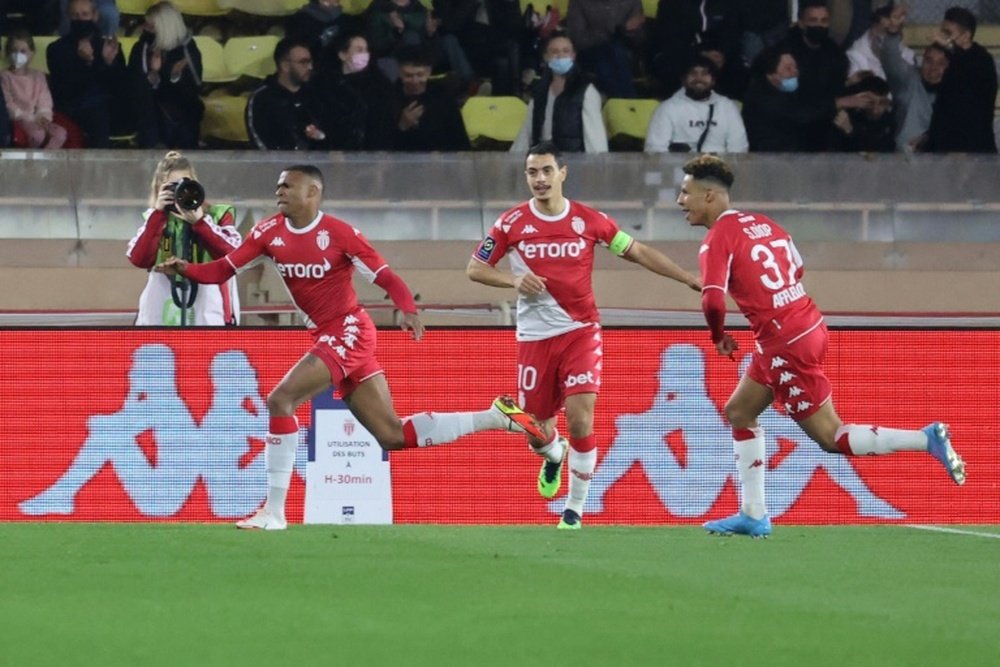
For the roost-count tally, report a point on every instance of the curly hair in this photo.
(710, 168)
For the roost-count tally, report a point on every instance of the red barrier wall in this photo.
(130, 425)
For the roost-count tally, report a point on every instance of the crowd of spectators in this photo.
(733, 76)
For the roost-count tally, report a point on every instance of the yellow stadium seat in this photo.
(649, 8)
(627, 121)
(988, 36)
(355, 7)
(134, 7)
(125, 43)
(213, 61)
(200, 7)
(918, 35)
(250, 56)
(540, 5)
(264, 7)
(493, 119)
(225, 118)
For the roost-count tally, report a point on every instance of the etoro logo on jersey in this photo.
(551, 250)
(299, 270)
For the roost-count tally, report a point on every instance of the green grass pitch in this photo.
(182, 594)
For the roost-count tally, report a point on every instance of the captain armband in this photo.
(620, 243)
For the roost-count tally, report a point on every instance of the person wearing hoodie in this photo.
(696, 118)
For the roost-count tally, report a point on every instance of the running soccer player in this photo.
(754, 260)
(315, 255)
(551, 242)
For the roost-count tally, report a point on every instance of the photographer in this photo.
(180, 224)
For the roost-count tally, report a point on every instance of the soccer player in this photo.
(316, 255)
(754, 260)
(551, 242)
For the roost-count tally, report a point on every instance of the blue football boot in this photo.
(939, 446)
(740, 524)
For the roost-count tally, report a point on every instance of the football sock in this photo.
(582, 461)
(858, 440)
(426, 429)
(279, 458)
(553, 450)
(751, 462)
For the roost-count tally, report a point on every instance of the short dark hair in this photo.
(710, 168)
(21, 35)
(702, 61)
(342, 42)
(810, 4)
(555, 34)
(285, 46)
(414, 55)
(963, 17)
(767, 61)
(309, 170)
(869, 84)
(546, 148)
(934, 46)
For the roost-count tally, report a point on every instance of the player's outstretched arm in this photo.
(212, 273)
(655, 261)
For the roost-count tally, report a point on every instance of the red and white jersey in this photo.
(315, 262)
(558, 248)
(750, 257)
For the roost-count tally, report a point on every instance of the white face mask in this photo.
(19, 60)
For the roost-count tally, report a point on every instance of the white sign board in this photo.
(347, 473)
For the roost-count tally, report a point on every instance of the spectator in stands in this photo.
(286, 113)
(489, 33)
(39, 16)
(6, 129)
(395, 24)
(199, 235)
(778, 117)
(107, 17)
(762, 23)
(868, 130)
(355, 94)
(822, 67)
(963, 111)
(731, 73)
(697, 118)
(28, 99)
(427, 116)
(685, 28)
(605, 32)
(165, 72)
(863, 56)
(88, 78)
(565, 108)
(914, 89)
(318, 24)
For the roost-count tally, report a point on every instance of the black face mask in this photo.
(817, 34)
(82, 28)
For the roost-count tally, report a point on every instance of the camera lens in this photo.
(188, 194)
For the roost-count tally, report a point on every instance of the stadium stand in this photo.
(264, 7)
(493, 122)
(250, 56)
(627, 122)
(213, 61)
(200, 7)
(224, 118)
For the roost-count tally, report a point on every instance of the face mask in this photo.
(82, 28)
(817, 34)
(790, 85)
(19, 60)
(359, 61)
(561, 66)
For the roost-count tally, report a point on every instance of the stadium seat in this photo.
(225, 118)
(918, 36)
(355, 7)
(264, 7)
(493, 121)
(649, 8)
(125, 43)
(250, 56)
(133, 7)
(213, 61)
(627, 121)
(41, 60)
(200, 7)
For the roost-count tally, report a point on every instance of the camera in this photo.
(189, 194)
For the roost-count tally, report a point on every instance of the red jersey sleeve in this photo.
(142, 248)
(715, 257)
(367, 261)
(219, 239)
(253, 246)
(604, 227)
(494, 246)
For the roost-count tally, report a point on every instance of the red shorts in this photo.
(348, 350)
(794, 372)
(550, 370)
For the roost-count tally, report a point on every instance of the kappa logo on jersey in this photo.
(277, 242)
(777, 362)
(486, 249)
(551, 250)
(297, 270)
(528, 229)
(263, 227)
(323, 239)
(578, 224)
